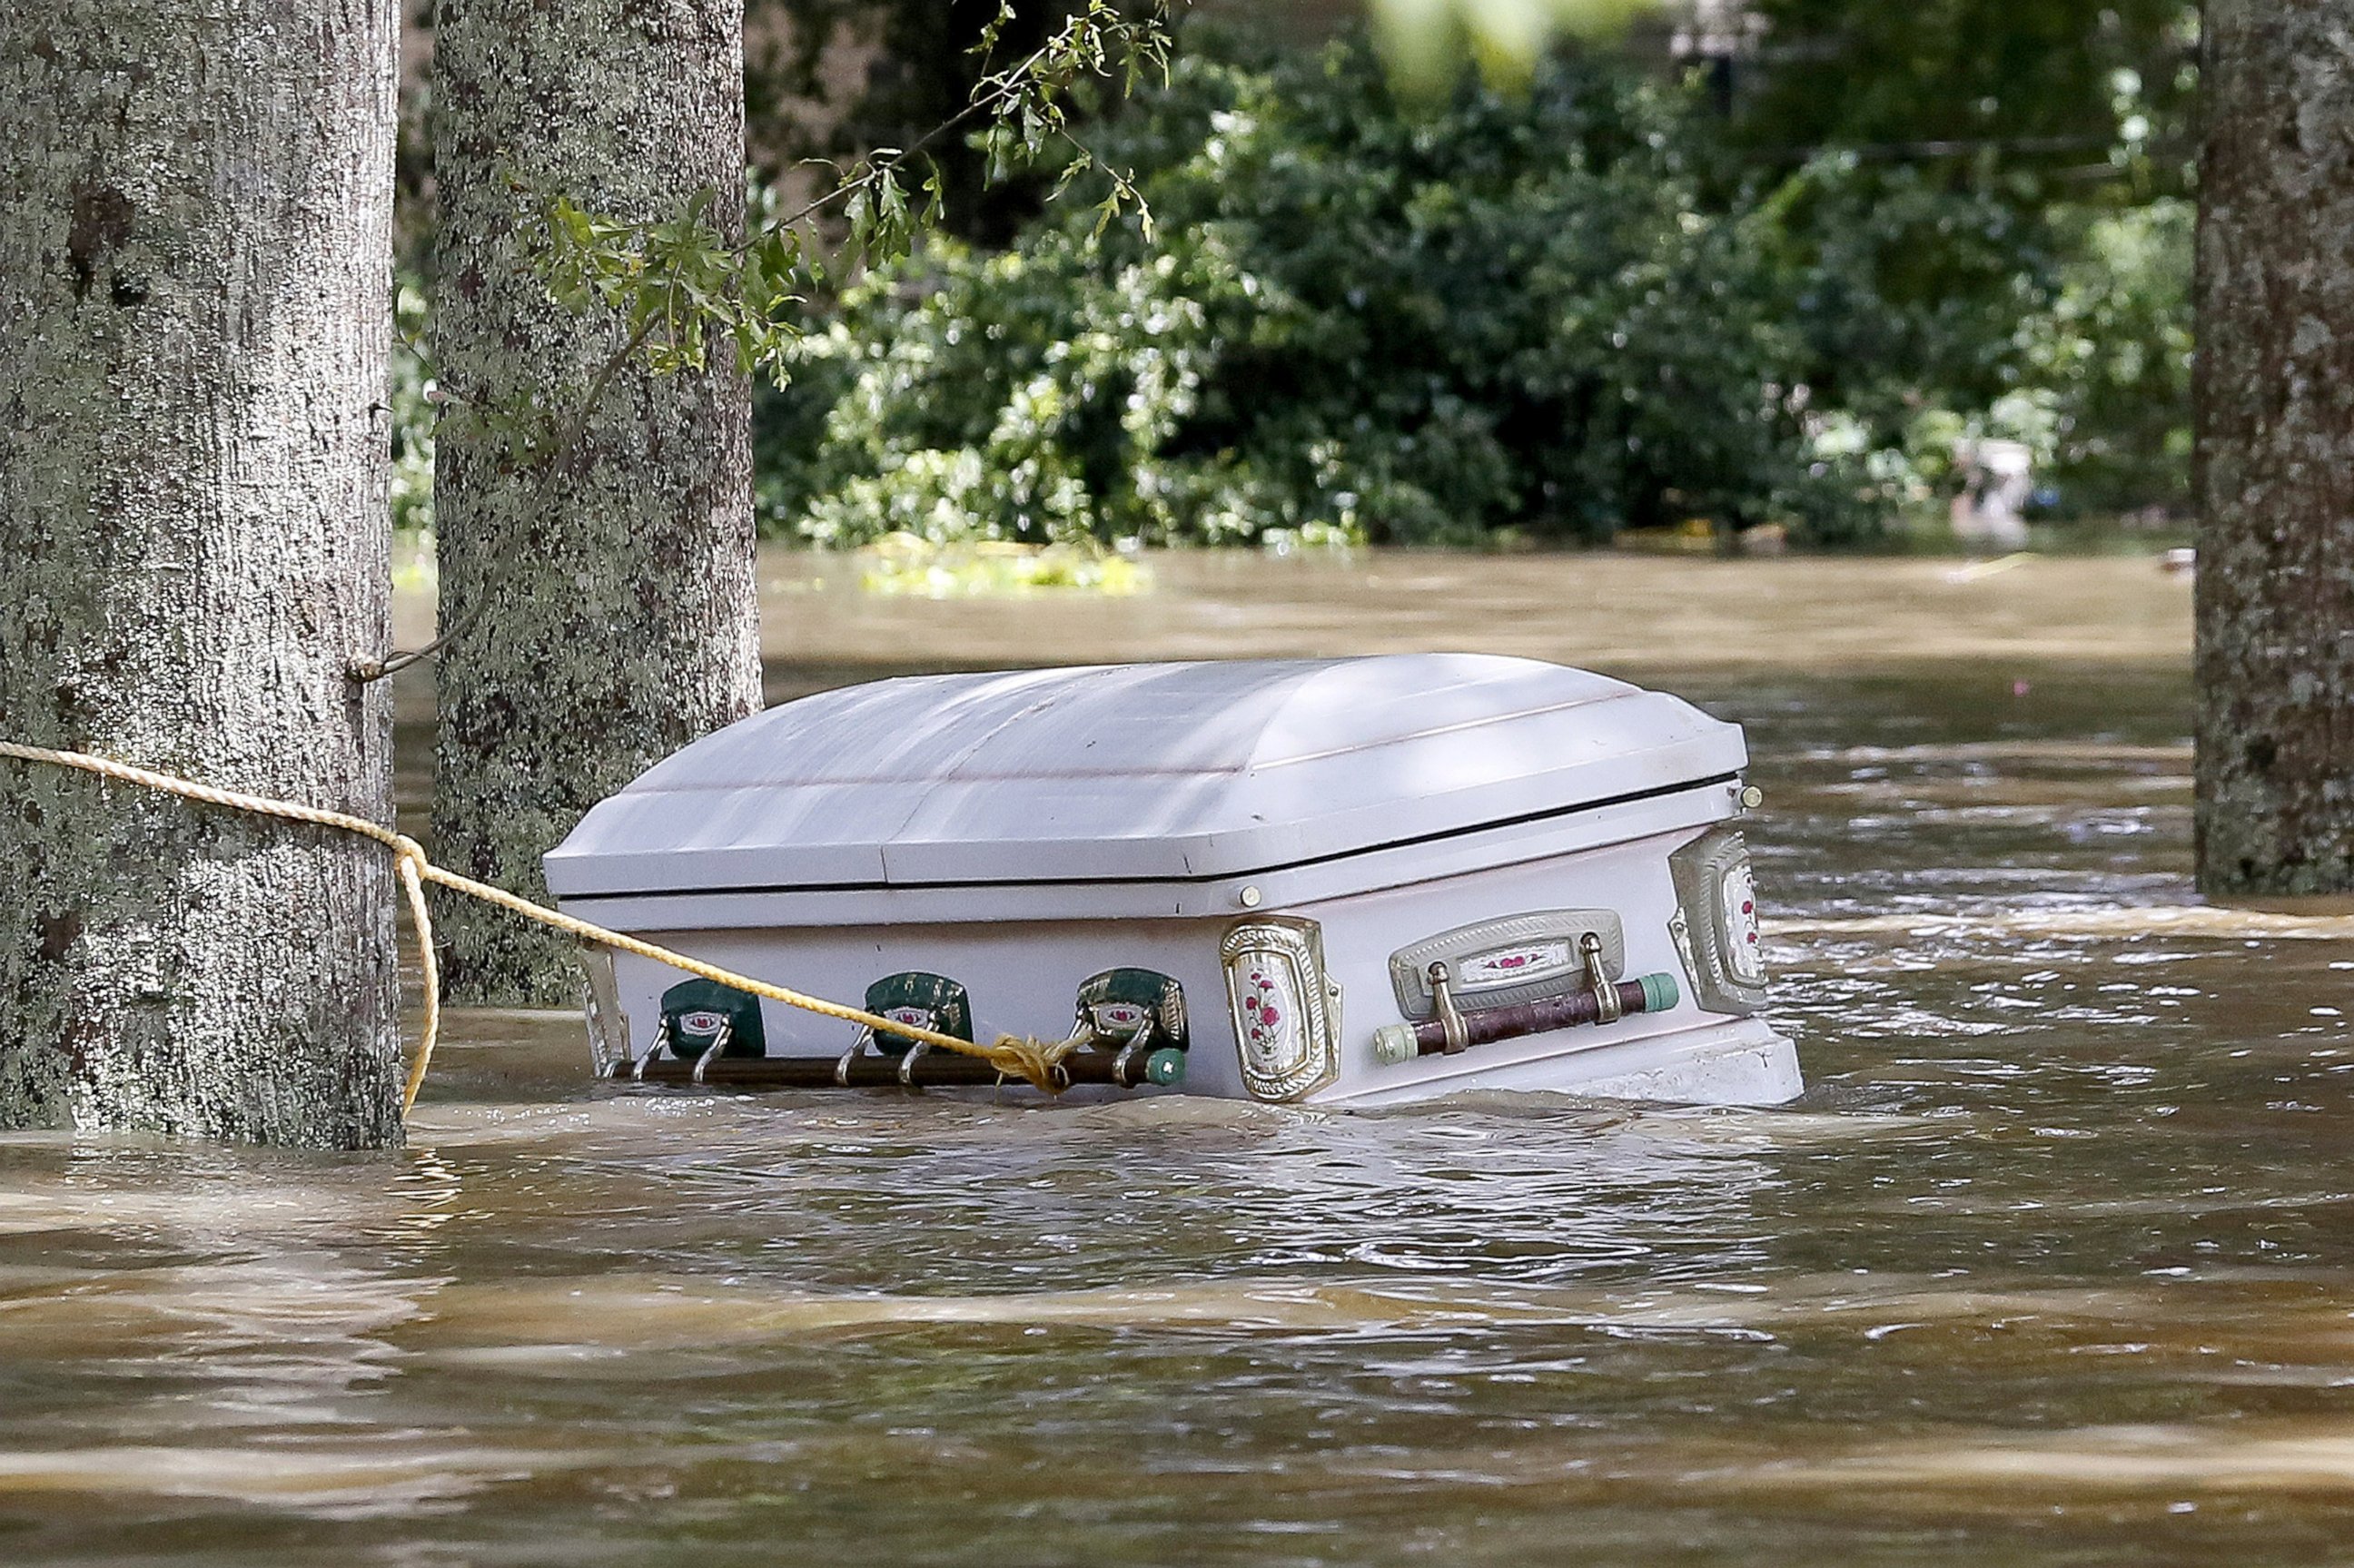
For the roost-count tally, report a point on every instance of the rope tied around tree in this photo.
(1018, 1056)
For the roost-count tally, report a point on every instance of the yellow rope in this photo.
(1015, 1056)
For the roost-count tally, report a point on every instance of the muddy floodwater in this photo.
(2054, 1263)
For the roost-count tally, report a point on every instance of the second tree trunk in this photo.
(604, 614)
(2275, 451)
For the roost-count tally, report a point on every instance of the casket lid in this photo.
(1135, 772)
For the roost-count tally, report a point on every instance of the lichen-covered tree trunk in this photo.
(195, 273)
(2276, 448)
(601, 615)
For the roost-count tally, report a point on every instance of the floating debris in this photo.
(905, 564)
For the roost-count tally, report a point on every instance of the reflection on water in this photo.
(2055, 1261)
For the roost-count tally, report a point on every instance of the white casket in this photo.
(1353, 882)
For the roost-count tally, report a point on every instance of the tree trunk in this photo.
(2275, 449)
(616, 612)
(195, 274)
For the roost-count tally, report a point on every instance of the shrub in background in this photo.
(2112, 356)
(1353, 319)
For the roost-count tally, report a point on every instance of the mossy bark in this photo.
(603, 614)
(195, 273)
(2275, 461)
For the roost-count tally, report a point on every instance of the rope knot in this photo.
(1038, 1063)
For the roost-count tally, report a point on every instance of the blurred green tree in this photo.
(1990, 201)
(2029, 99)
(1358, 317)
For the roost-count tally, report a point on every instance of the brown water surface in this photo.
(2054, 1263)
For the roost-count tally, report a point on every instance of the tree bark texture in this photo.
(2275, 449)
(196, 218)
(602, 614)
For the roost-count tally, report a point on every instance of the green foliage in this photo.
(1930, 315)
(696, 282)
(2113, 356)
(1585, 300)
(411, 403)
(1982, 203)
(1594, 303)
(2027, 100)
(1364, 319)
(919, 65)
(1903, 289)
